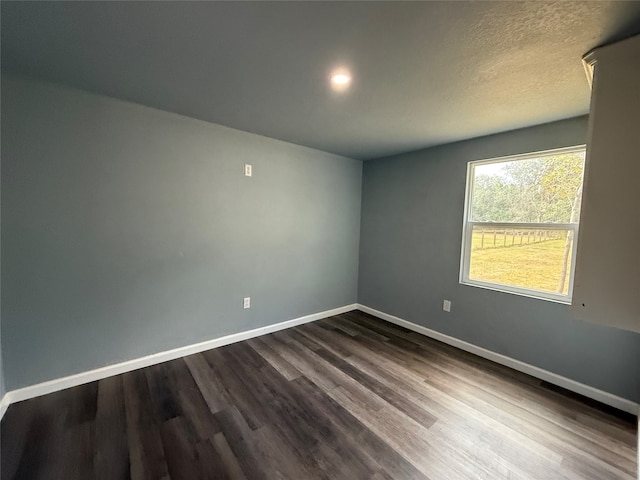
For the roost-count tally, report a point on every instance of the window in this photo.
(521, 222)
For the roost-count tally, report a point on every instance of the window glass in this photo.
(522, 222)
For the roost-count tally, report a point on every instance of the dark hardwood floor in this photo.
(348, 397)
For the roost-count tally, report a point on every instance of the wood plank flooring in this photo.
(348, 397)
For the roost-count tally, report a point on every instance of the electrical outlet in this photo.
(446, 305)
(247, 302)
(247, 170)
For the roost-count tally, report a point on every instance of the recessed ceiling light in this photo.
(340, 81)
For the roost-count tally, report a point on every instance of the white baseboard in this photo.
(110, 370)
(577, 387)
(160, 357)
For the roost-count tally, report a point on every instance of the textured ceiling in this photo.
(424, 73)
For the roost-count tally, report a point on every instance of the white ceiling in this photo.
(425, 73)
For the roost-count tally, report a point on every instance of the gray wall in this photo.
(411, 231)
(128, 231)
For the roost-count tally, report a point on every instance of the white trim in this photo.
(523, 292)
(530, 155)
(577, 387)
(589, 63)
(111, 370)
(104, 372)
(4, 404)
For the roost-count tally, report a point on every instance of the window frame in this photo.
(467, 230)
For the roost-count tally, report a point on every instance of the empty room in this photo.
(320, 240)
